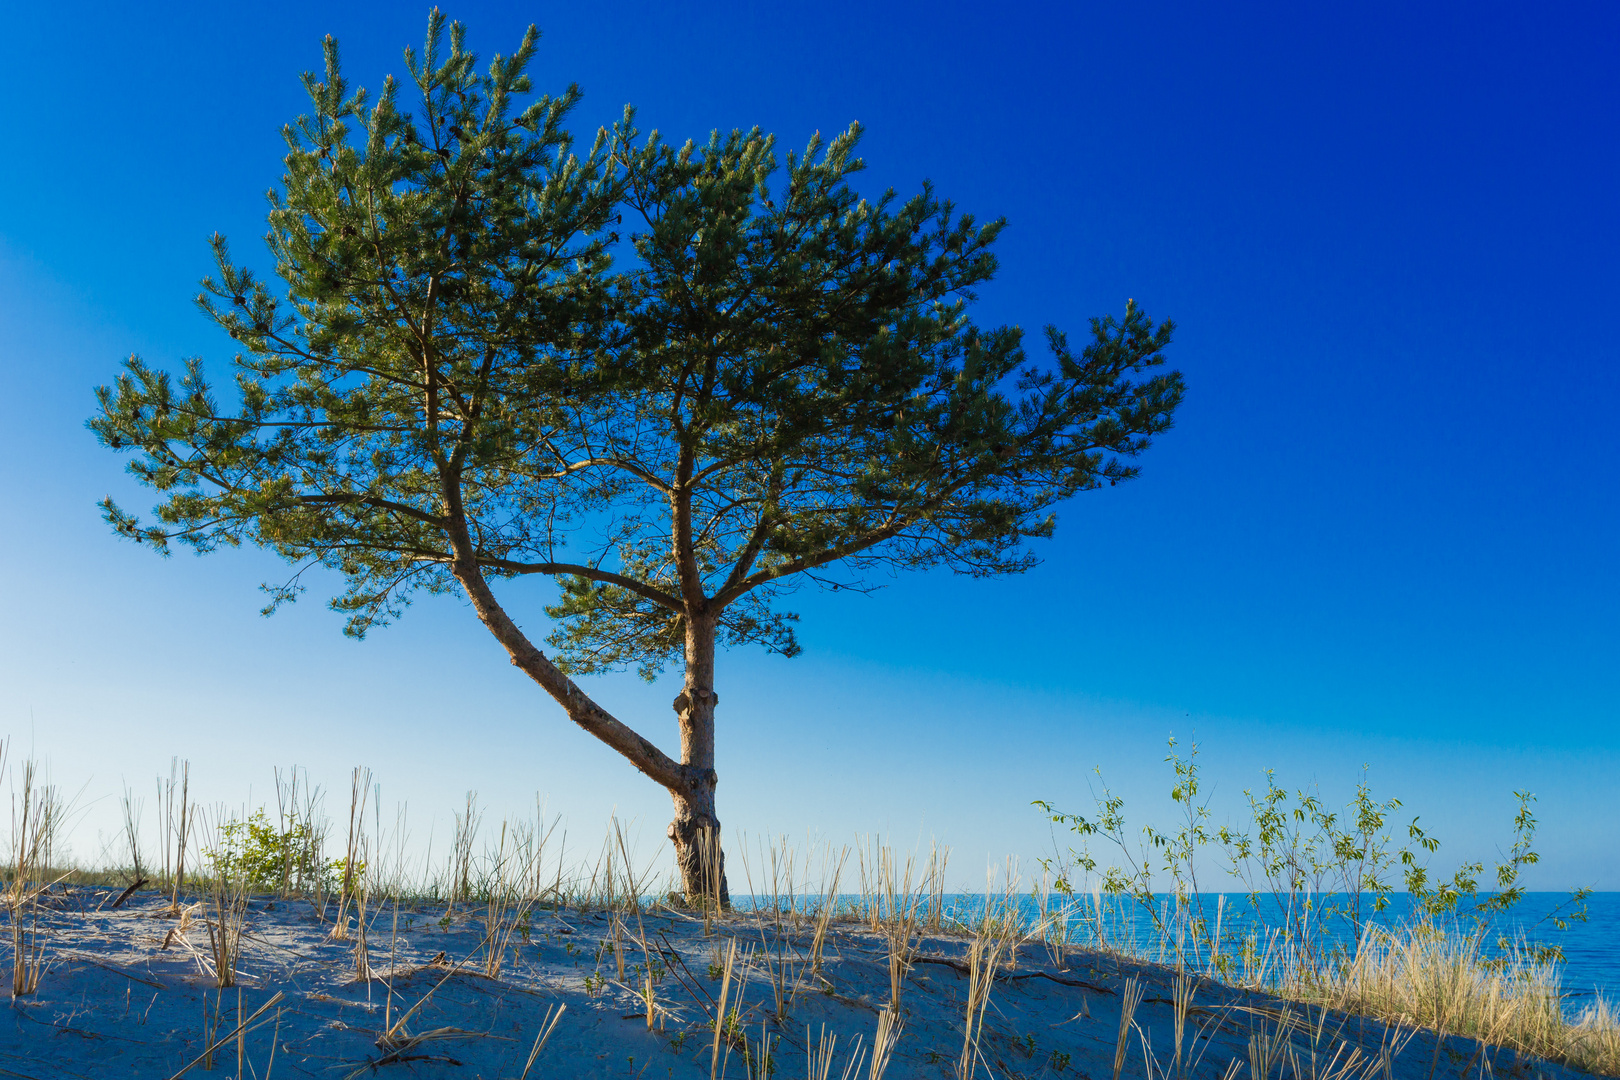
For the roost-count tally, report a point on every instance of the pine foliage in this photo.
(765, 381)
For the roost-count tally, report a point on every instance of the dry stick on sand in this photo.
(210, 1028)
(779, 969)
(1345, 1062)
(759, 1061)
(938, 857)
(287, 816)
(165, 814)
(1053, 922)
(819, 1053)
(395, 1041)
(296, 810)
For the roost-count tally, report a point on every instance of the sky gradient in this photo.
(1382, 532)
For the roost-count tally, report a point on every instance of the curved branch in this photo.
(525, 656)
(372, 501)
(590, 573)
(809, 562)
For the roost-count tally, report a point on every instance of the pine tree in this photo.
(777, 383)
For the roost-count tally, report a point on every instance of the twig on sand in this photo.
(125, 895)
(961, 967)
(233, 1033)
(114, 968)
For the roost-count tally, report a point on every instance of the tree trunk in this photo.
(696, 829)
(690, 782)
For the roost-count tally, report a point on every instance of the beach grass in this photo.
(1424, 976)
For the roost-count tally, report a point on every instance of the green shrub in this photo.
(269, 858)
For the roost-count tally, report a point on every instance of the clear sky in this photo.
(1384, 529)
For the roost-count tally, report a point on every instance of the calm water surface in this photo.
(1591, 948)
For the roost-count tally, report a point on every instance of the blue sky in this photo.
(1383, 531)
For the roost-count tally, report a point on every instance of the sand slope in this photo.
(128, 994)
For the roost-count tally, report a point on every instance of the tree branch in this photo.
(591, 573)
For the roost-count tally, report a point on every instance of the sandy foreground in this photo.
(129, 993)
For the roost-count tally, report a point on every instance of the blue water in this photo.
(1591, 948)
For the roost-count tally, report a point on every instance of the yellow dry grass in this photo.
(1427, 976)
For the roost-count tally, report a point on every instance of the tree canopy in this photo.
(680, 380)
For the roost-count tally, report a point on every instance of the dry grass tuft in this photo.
(228, 891)
(883, 1042)
(33, 825)
(983, 956)
(1427, 976)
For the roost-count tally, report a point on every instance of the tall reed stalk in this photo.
(507, 898)
(228, 893)
(179, 818)
(32, 822)
(353, 865)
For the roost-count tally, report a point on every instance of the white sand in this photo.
(115, 1002)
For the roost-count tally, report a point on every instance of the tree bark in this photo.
(695, 831)
(532, 662)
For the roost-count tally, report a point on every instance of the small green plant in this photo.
(714, 971)
(1310, 864)
(265, 857)
(1058, 1061)
(678, 1040)
(1028, 1043)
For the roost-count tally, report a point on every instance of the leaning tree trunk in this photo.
(696, 830)
(690, 782)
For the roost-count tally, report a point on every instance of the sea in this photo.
(1586, 933)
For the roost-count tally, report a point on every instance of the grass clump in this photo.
(1316, 878)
